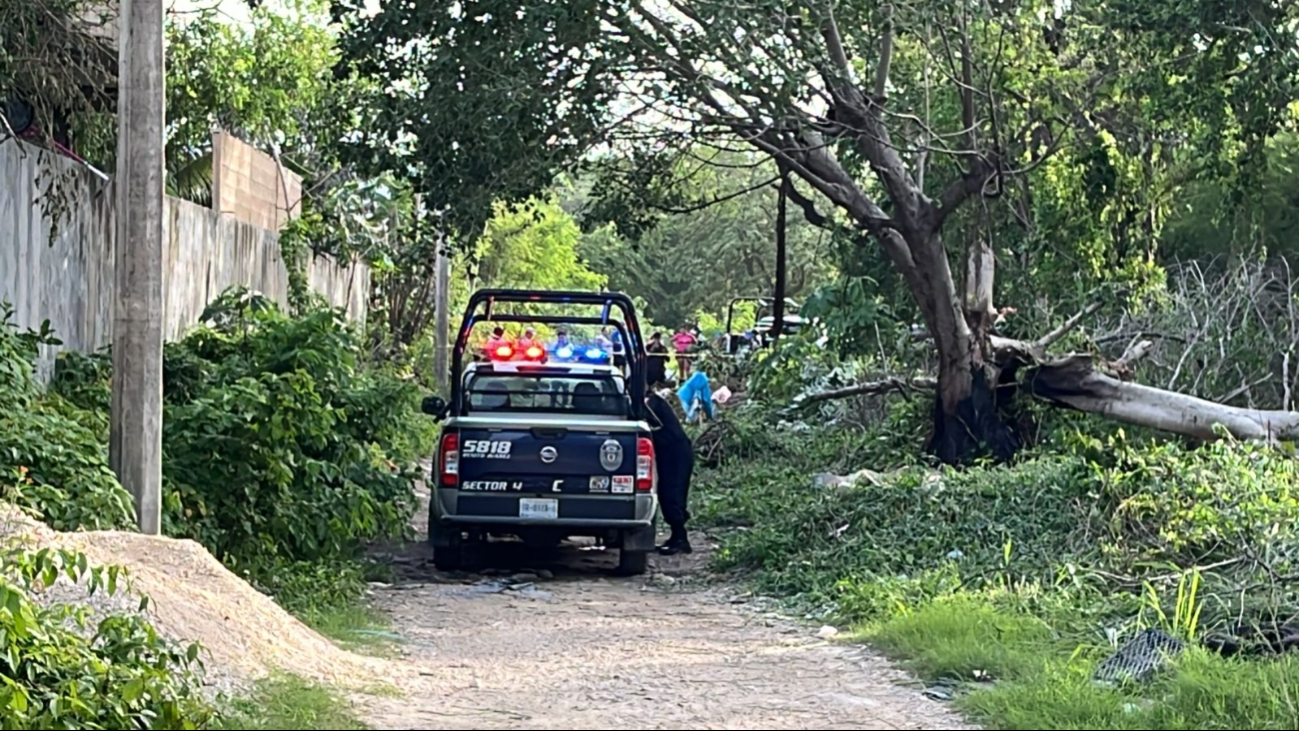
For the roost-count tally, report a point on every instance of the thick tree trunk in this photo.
(967, 409)
(1074, 381)
(968, 420)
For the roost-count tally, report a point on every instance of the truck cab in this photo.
(544, 450)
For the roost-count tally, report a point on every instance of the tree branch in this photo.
(716, 199)
(1063, 329)
(954, 195)
(886, 58)
(1074, 381)
(870, 388)
(834, 44)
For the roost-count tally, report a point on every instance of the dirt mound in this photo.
(244, 634)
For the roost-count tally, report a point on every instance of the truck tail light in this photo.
(644, 464)
(450, 459)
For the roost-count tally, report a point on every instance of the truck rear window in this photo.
(499, 393)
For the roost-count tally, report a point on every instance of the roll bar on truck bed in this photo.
(483, 302)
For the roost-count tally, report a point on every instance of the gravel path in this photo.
(575, 648)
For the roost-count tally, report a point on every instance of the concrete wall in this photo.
(249, 185)
(65, 275)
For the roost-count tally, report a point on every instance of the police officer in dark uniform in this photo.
(656, 360)
(676, 462)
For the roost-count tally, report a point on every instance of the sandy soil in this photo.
(537, 640)
(554, 641)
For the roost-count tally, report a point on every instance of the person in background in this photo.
(683, 341)
(656, 365)
(561, 341)
(676, 464)
(495, 341)
(694, 393)
(603, 341)
(528, 340)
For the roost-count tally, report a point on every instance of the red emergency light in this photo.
(504, 352)
(534, 353)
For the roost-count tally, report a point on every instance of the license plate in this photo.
(538, 509)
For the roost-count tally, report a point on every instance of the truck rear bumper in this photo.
(577, 511)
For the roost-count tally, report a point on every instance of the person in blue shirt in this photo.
(696, 392)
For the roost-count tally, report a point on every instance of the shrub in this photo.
(59, 671)
(1184, 505)
(277, 443)
(59, 460)
(1116, 522)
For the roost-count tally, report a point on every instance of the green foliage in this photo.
(65, 476)
(532, 245)
(51, 451)
(63, 671)
(1027, 574)
(269, 81)
(516, 71)
(53, 59)
(1179, 504)
(278, 444)
(691, 265)
(18, 352)
(1207, 223)
(1046, 682)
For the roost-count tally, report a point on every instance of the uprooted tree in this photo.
(904, 123)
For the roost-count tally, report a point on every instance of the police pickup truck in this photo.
(545, 450)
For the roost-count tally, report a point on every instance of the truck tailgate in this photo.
(547, 460)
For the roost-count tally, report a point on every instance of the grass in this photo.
(289, 702)
(1019, 673)
(1203, 692)
(357, 627)
(963, 638)
(331, 599)
(1015, 580)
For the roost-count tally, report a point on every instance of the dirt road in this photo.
(580, 649)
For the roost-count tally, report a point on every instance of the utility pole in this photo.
(442, 336)
(135, 448)
(778, 307)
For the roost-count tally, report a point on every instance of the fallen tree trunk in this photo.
(1074, 381)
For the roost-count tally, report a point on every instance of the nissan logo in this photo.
(548, 454)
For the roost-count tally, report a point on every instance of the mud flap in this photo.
(640, 540)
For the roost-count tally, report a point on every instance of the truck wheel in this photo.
(448, 546)
(632, 563)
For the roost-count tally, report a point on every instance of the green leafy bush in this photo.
(1114, 521)
(57, 670)
(277, 443)
(53, 447)
(1210, 503)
